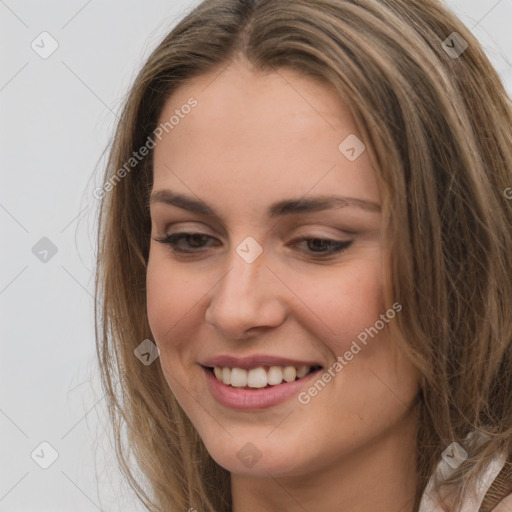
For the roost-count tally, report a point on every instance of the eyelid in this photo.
(337, 247)
(301, 236)
(297, 227)
(164, 225)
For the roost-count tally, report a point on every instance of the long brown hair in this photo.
(437, 126)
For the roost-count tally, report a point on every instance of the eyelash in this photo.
(174, 239)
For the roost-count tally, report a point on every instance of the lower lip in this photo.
(244, 399)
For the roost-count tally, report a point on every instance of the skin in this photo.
(252, 140)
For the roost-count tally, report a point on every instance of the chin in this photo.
(246, 456)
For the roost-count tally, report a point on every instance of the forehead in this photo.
(259, 134)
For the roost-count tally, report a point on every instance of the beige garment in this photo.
(430, 501)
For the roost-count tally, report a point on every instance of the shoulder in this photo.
(504, 505)
(499, 495)
(433, 501)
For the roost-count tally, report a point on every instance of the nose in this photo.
(248, 298)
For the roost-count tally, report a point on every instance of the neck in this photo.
(380, 476)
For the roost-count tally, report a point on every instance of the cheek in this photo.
(344, 302)
(173, 308)
(161, 305)
(172, 297)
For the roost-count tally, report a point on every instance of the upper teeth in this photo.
(259, 377)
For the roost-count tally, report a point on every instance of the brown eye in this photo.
(193, 241)
(326, 246)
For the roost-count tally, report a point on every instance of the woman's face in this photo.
(281, 273)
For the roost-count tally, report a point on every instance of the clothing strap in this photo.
(500, 488)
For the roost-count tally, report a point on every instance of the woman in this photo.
(304, 263)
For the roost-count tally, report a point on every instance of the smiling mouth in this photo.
(262, 377)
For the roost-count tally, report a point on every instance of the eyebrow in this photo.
(280, 208)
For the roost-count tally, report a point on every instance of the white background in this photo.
(57, 115)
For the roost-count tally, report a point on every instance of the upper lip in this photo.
(255, 361)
